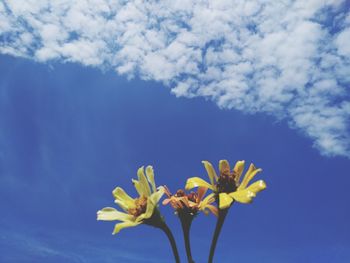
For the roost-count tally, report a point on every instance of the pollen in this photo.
(140, 207)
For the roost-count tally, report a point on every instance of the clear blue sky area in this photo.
(70, 134)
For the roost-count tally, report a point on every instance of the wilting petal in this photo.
(213, 209)
(197, 182)
(252, 171)
(257, 186)
(211, 172)
(243, 196)
(111, 214)
(224, 167)
(201, 192)
(150, 177)
(237, 170)
(122, 196)
(120, 226)
(166, 201)
(143, 182)
(225, 200)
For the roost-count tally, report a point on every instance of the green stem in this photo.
(219, 223)
(186, 222)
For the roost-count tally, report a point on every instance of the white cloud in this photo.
(290, 59)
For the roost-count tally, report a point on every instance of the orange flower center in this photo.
(140, 207)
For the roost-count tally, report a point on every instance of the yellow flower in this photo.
(228, 185)
(191, 203)
(136, 210)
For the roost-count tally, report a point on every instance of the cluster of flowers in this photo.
(226, 188)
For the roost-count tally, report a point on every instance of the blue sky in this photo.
(87, 96)
(71, 134)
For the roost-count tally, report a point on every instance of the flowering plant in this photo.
(226, 188)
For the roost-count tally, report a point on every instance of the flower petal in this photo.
(201, 192)
(209, 199)
(197, 182)
(257, 186)
(224, 167)
(243, 196)
(155, 197)
(213, 209)
(225, 200)
(211, 172)
(149, 211)
(123, 225)
(122, 205)
(143, 182)
(138, 187)
(166, 201)
(123, 197)
(150, 177)
(237, 170)
(111, 214)
(252, 171)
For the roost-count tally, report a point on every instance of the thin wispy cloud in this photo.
(289, 59)
(57, 246)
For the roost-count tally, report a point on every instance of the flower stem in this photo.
(156, 220)
(186, 221)
(219, 223)
(170, 236)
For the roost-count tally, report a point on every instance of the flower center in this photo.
(180, 193)
(192, 197)
(226, 182)
(140, 207)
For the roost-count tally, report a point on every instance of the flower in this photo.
(136, 210)
(227, 185)
(191, 203)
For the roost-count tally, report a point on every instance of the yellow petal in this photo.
(238, 169)
(211, 172)
(122, 205)
(243, 196)
(123, 197)
(252, 171)
(257, 186)
(138, 187)
(149, 211)
(224, 167)
(225, 200)
(155, 197)
(143, 182)
(206, 204)
(111, 214)
(197, 182)
(209, 199)
(150, 177)
(120, 226)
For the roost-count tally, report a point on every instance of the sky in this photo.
(92, 90)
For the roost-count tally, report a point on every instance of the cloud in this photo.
(39, 244)
(289, 59)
